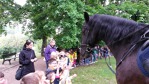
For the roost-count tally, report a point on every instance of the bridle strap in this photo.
(86, 45)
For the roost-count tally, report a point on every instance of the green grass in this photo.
(97, 73)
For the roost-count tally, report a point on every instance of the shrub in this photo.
(11, 43)
(7, 50)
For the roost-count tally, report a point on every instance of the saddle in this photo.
(143, 58)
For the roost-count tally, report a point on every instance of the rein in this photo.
(143, 37)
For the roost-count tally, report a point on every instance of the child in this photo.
(37, 77)
(54, 67)
(2, 79)
(64, 60)
(54, 55)
(66, 68)
(50, 76)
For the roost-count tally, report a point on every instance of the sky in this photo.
(20, 2)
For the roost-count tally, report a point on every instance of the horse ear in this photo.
(86, 17)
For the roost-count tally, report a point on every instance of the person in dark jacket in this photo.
(27, 58)
(106, 52)
(49, 49)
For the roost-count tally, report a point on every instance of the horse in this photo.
(123, 37)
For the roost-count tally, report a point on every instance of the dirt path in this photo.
(9, 70)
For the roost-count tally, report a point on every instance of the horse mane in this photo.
(115, 27)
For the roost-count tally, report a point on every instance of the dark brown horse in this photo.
(124, 39)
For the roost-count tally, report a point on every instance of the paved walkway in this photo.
(10, 70)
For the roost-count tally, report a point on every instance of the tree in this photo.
(127, 9)
(48, 16)
(70, 23)
(9, 11)
(63, 19)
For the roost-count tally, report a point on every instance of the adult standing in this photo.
(27, 58)
(106, 52)
(94, 54)
(48, 50)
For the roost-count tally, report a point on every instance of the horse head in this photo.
(124, 39)
(110, 29)
(89, 35)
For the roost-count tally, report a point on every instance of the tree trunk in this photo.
(44, 44)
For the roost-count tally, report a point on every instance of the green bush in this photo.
(7, 50)
(11, 43)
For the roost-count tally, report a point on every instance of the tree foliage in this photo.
(70, 23)
(63, 19)
(49, 16)
(9, 11)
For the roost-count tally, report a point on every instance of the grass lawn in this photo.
(97, 73)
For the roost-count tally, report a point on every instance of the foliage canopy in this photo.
(63, 19)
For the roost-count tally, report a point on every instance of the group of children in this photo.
(57, 72)
(58, 68)
(96, 53)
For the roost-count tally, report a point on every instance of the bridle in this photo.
(142, 38)
(88, 48)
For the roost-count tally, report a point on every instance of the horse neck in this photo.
(120, 47)
(119, 50)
